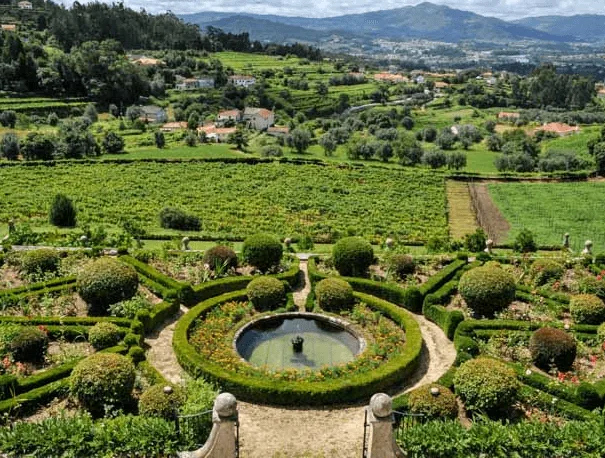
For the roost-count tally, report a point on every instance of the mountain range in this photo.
(424, 21)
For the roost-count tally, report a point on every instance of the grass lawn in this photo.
(221, 150)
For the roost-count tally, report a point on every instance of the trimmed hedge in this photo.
(39, 288)
(266, 293)
(334, 295)
(355, 387)
(160, 313)
(160, 284)
(352, 256)
(67, 320)
(487, 290)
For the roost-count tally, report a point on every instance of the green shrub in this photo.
(402, 265)
(550, 346)
(155, 402)
(103, 379)
(62, 212)
(334, 295)
(352, 256)
(587, 309)
(487, 290)
(104, 282)
(40, 261)
(601, 333)
(524, 242)
(174, 218)
(266, 293)
(220, 257)
(587, 396)
(29, 344)
(262, 251)
(475, 242)
(486, 385)
(104, 335)
(545, 270)
(131, 339)
(443, 405)
(136, 353)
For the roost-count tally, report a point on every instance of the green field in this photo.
(550, 210)
(180, 152)
(238, 200)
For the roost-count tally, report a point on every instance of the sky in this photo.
(503, 9)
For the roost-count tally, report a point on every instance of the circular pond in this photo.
(298, 341)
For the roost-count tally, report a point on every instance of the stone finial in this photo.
(185, 243)
(489, 246)
(83, 240)
(435, 391)
(288, 241)
(11, 226)
(566, 243)
(587, 248)
(381, 405)
(225, 405)
(390, 243)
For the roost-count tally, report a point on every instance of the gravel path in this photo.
(303, 290)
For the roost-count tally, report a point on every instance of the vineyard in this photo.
(235, 200)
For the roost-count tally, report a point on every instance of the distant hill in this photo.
(425, 21)
(585, 27)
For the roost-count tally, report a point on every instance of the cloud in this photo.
(504, 9)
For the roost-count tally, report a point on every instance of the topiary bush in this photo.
(29, 344)
(402, 265)
(104, 335)
(486, 385)
(334, 295)
(40, 261)
(103, 379)
(443, 405)
(551, 346)
(62, 212)
(545, 270)
(221, 256)
(106, 281)
(601, 333)
(174, 218)
(266, 293)
(155, 402)
(352, 256)
(487, 290)
(262, 251)
(587, 309)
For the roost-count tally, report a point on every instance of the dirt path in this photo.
(303, 290)
(160, 353)
(461, 214)
(489, 216)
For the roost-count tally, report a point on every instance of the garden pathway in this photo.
(302, 291)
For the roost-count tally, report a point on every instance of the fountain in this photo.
(297, 344)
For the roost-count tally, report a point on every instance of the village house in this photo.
(559, 128)
(508, 116)
(259, 118)
(9, 27)
(190, 84)
(390, 78)
(174, 126)
(25, 5)
(242, 80)
(143, 61)
(420, 79)
(440, 86)
(601, 93)
(278, 131)
(153, 114)
(231, 116)
(215, 133)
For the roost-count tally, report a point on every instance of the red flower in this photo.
(561, 376)
(6, 362)
(593, 360)
(43, 328)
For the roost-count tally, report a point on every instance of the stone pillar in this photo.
(185, 244)
(489, 246)
(587, 251)
(390, 243)
(380, 418)
(11, 226)
(222, 440)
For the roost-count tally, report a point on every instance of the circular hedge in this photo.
(155, 402)
(40, 261)
(487, 290)
(219, 257)
(262, 251)
(104, 335)
(106, 281)
(552, 346)
(442, 405)
(402, 265)
(587, 309)
(103, 379)
(352, 256)
(334, 294)
(486, 384)
(266, 293)
(29, 344)
(545, 270)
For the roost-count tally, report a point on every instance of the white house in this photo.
(242, 80)
(189, 84)
(217, 134)
(151, 113)
(25, 5)
(225, 116)
(420, 79)
(174, 126)
(259, 118)
(278, 131)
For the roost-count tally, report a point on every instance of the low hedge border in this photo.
(12, 300)
(39, 286)
(353, 388)
(67, 320)
(434, 311)
(544, 400)
(160, 313)
(159, 283)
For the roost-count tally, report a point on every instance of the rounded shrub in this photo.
(587, 309)
(156, 402)
(485, 384)
(266, 293)
(487, 290)
(441, 405)
(104, 282)
(262, 251)
(174, 218)
(62, 212)
(29, 344)
(545, 270)
(334, 294)
(103, 379)
(551, 346)
(136, 353)
(40, 261)
(104, 335)
(220, 256)
(352, 256)
(402, 265)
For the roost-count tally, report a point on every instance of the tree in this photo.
(494, 142)
(194, 121)
(299, 139)
(456, 160)
(408, 123)
(599, 155)
(239, 138)
(90, 112)
(408, 150)
(8, 118)
(75, 141)
(38, 146)
(191, 139)
(328, 143)
(321, 88)
(160, 140)
(114, 110)
(490, 126)
(434, 158)
(133, 113)
(445, 139)
(113, 143)
(10, 146)
(62, 212)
